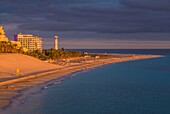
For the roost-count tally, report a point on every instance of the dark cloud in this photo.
(96, 16)
(154, 5)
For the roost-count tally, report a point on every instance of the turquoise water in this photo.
(135, 87)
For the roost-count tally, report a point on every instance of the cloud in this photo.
(154, 5)
(111, 19)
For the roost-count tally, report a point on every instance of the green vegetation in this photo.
(8, 47)
(54, 54)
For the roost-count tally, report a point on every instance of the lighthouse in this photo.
(56, 42)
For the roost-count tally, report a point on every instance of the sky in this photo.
(90, 24)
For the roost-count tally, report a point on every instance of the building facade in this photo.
(29, 41)
(2, 35)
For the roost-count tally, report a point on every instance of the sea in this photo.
(134, 87)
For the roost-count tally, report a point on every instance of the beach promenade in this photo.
(35, 72)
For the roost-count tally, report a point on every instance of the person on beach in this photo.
(12, 87)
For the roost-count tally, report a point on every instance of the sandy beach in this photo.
(35, 72)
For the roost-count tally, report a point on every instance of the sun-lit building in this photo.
(5, 39)
(2, 34)
(29, 41)
(17, 44)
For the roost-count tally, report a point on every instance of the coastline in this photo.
(53, 77)
(24, 94)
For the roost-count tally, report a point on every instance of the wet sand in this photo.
(13, 90)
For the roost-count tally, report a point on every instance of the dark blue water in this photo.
(135, 87)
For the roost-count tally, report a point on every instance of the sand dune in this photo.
(27, 64)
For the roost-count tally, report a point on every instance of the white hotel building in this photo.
(29, 41)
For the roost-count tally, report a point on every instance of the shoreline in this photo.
(24, 94)
(54, 78)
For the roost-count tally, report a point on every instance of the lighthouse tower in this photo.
(56, 42)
